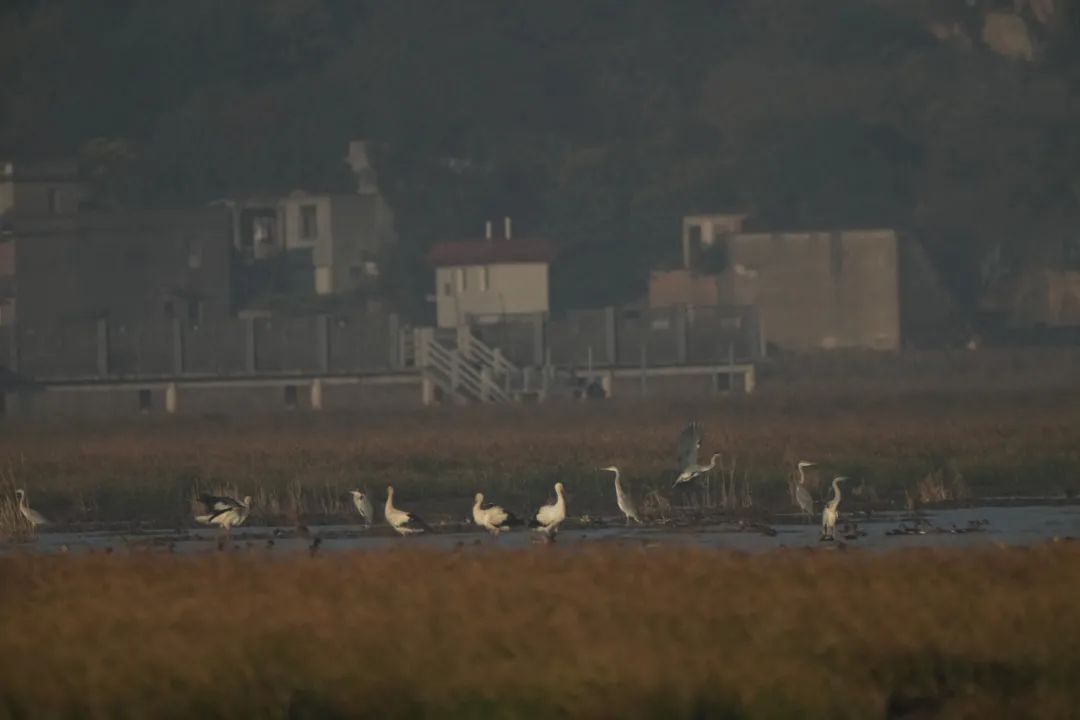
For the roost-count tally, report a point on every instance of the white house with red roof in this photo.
(490, 277)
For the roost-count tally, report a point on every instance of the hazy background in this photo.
(597, 123)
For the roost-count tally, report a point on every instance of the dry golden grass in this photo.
(997, 443)
(611, 632)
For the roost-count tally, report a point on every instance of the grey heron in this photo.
(32, 516)
(550, 516)
(404, 523)
(363, 506)
(225, 512)
(622, 498)
(802, 496)
(492, 518)
(831, 511)
(687, 455)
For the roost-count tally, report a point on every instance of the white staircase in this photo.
(463, 368)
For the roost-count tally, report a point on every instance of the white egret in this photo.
(32, 516)
(404, 523)
(492, 518)
(363, 506)
(550, 516)
(802, 496)
(831, 511)
(225, 512)
(623, 498)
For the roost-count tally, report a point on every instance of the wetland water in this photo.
(1013, 525)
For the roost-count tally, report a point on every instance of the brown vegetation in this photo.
(1000, 443)
(607, 632)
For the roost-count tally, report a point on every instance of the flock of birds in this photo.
(226, 512)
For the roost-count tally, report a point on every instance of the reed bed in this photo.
(935, 446)
(606, 632)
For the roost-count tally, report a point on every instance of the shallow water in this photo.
(1017, 525)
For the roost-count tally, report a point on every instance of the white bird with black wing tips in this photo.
(32, 516)
(404, 523)
(550, 516)
(225, 512)
(492, 518)
(363, 506)
(687, 455)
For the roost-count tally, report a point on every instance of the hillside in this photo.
(596, 123)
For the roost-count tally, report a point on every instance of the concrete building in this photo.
(39, 189)
(489, 278)
(815, 290)
(122, 266)
(340, 239)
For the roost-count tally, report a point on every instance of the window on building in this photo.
(323, 281)
(194, 253)
(309, 222)
(146, 399)
(291, 395)
(7, 312)
(194, 311)
(448, 288)
(485, 278)
(694, 249)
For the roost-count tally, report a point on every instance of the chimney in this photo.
(506, 227)
(487, 231)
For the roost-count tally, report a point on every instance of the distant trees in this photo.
(597, 123)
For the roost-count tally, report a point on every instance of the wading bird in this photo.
(623, 498)
(492, 518)
(225, 512)
(831, 511)
(802, 495)
(404, 523)
(549, 517)
(363, 506)
(32, 516)
(687, 455)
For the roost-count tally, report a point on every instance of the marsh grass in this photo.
(603, 632)
(979, 444)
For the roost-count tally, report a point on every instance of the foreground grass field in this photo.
(933, 446)
(611, 632)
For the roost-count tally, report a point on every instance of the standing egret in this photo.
(32, 516)
(225, 512)
(623, 498)
(802, 495)
(492, 518)
(404, 523)
(831, 511)
(550, 516)
(363, 506)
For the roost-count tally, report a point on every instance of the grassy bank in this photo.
(543, 633)
(933, 446)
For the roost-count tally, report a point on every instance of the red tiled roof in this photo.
(486, 252)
